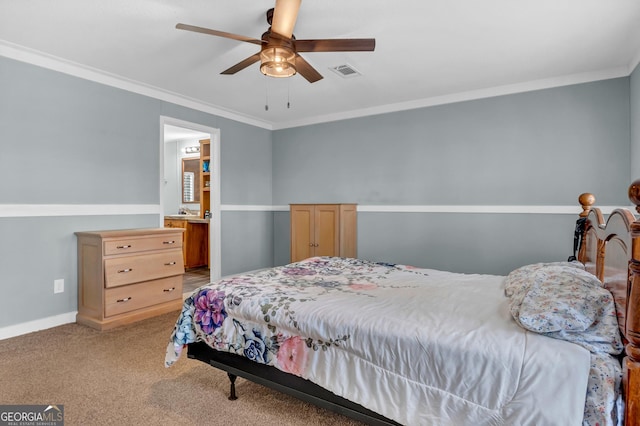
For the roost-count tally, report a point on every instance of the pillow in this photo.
(519, 281)
(563, 301)
(518, 278)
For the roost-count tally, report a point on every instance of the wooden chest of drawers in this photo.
(128, 275)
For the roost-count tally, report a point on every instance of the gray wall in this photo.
(635, 123)
(37, 250)
(72, 141)
(65, 140)
(523, 149)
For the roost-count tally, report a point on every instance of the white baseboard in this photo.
(37, 325)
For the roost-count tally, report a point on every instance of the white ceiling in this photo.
(175, 133)
(427, 51)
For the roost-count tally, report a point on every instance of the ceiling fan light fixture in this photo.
(278, 62)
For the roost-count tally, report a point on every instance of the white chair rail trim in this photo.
(44, 210)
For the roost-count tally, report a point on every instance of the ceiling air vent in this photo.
(346, 71)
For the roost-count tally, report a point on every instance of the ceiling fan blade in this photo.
(306, 70)
(336, 45)
(284, 17)
(242, 64)
(218, 33)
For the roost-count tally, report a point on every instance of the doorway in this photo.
(169, 128)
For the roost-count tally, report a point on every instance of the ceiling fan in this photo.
(279, 48)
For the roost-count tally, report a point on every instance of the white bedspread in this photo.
(421, 347)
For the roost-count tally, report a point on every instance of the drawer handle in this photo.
(126, 299)
(124, 271)
(169, 263)
(169, 290)
(169, 242)
(124, 247)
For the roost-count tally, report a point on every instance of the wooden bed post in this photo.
(586, 200)
(631, 375)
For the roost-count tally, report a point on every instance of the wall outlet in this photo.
(58, 286)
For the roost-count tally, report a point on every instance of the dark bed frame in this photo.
(238, 366)
(610, 250)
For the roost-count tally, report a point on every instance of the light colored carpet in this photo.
(118, 377)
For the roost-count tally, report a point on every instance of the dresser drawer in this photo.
(134, 245)
(132, 269)
(128, 298)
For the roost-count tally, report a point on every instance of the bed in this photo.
(391, 344)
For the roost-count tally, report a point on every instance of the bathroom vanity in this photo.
(195, 245)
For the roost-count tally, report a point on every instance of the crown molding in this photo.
(634, 62)
(44, 60)
(34, 57)
(490, 92)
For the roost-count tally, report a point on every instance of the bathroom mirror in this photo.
(191, 180)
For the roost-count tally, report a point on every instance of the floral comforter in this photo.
(418, 346)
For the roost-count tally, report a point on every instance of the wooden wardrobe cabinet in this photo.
(323, 230)
(128, 275)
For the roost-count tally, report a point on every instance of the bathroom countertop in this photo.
(188, 218)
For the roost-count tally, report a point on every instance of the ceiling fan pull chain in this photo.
(266, 91)
(288, 93)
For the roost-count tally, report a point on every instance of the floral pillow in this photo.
(518, 282)
(563, 301)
